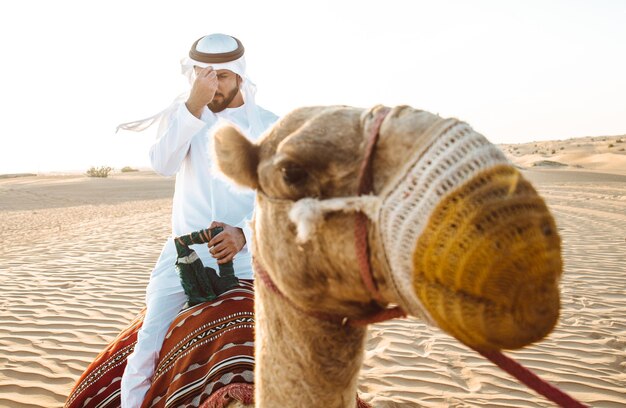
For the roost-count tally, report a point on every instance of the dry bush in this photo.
(99, 171)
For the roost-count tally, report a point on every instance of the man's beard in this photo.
(216, 106)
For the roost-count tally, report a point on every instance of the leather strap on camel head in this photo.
(306, 215)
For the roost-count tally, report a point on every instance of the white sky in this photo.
(515, 70)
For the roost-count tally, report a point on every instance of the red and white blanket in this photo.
(207, 358)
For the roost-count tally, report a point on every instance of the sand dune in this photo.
(75, 258)
(598, 154)
(76, 254)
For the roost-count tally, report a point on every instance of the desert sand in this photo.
(76, 255)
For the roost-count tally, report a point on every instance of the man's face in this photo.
(227, 89)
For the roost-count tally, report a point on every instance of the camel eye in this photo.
(293, 174)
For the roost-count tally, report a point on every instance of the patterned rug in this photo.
(207, 359)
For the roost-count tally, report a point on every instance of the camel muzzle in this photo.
(470, 244)
(487, 264)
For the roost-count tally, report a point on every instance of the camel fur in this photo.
(307, 249)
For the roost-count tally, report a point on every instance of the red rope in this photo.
(362, 252)
(366, 186)
(366, 179)
(531, 380)
(376, 317)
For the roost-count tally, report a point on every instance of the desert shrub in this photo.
(549, 163)
(610, 144)
(553, 151)
(99, 172)
(128, 169)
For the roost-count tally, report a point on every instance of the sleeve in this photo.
(174, 138)
(247, 231)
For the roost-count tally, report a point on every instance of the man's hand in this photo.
(225, 245)
(202, 91)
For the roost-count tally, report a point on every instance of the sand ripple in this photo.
(73, 271)
(71, 278)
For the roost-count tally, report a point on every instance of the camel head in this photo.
(456, 234)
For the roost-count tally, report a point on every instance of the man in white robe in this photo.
(220, 91)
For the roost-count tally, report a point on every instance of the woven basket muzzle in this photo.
(470, 244)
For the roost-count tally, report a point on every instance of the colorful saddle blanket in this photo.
(207, 358)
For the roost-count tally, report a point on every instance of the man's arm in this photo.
(175, 134)
(173, 141)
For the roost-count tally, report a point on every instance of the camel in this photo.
(453, 234)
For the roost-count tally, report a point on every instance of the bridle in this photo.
(365, 186)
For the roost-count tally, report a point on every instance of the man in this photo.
(220, 91)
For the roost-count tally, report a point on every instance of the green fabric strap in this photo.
(200, 283)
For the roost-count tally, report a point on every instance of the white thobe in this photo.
(201, 196)
(184, 148)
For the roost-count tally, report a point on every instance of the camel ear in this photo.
(236, 156)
